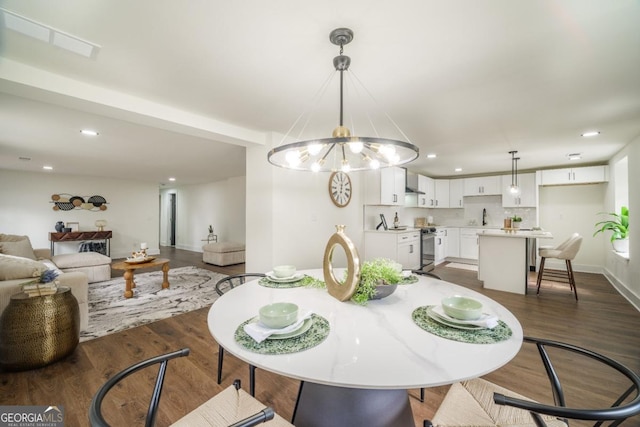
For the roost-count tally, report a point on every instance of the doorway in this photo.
(172, 219)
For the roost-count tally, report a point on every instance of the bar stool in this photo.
(567, 251)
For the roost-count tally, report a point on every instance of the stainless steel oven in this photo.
(427, 248)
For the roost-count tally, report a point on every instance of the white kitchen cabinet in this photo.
(441, 195)
(452, 246)
(469, 243)
(439, 245)
(400, 246)
(424, 186)
(527, 195)
(483, 186)
(385, 186)
(456, 192)
(582, 175)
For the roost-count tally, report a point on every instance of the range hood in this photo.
(411, 183)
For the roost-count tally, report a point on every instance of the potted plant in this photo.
(378, 278)
(515, 221)
(619, 225)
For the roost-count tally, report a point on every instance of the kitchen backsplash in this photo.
(472, 211)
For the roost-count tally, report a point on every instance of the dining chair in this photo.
(566, 251)
(479, 402)
(231, 407)
(224, 285)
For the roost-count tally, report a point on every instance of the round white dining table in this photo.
(360, 374)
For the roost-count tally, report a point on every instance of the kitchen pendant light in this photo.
(342, 151)
(514, 189)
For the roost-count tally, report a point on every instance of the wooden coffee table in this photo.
(129, 268)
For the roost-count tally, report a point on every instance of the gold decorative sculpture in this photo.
(337, 289)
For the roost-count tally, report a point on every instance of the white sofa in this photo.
(19, 263)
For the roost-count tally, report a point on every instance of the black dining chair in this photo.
(231, 407)
(477, 400)
(225, 285)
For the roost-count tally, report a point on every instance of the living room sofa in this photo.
(20, 263)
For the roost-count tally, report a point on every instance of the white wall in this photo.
(568, 209)
(221, 204)
(26, 208)
(290, 216)
(623, 272)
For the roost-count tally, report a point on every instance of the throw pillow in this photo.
(11, 237)
(21, 248)
(13, 267)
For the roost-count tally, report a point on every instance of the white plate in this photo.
(293, 278)
(437, 309)
(306, 325)
(433, 315)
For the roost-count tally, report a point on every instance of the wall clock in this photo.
(340, 189)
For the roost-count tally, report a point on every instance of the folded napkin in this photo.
(487, 320)
(259, 332)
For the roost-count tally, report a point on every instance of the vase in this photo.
(59, 226)
(515, 224)
(621, 245)
(341, 290)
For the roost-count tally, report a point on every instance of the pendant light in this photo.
(514, 189)
(342, 151)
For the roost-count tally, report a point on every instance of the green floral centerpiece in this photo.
(375, 276)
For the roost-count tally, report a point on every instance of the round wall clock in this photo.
(340, 189)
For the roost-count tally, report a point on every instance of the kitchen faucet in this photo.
(484, 217)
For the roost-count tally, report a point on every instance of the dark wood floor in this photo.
(602, 320)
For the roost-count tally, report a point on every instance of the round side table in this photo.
(37, 331)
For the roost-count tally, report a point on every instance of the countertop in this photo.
(517, 234)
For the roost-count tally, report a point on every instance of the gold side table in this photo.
(37, 331)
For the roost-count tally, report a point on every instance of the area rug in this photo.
(461, 266)
(190, 288)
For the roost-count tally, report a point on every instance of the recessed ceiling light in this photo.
(458, 169)
(591, 133)
(574, 156)
(172, 179)
(431, 156)
(47, 168)
(89, 132)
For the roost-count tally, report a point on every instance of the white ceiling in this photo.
(181, 88)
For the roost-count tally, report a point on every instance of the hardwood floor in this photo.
(601, 320)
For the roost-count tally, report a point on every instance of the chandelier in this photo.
(514, 188)
(342, 151)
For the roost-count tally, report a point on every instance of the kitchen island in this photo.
(503, 260)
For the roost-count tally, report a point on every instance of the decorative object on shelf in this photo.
(45, 284)
(514, 189)
(516, 221)
(340, 189)
(343, 151)
(73, 226)
(396, 221)
(100, 223)
(619, 226)
(67, 202)
(211, 237)
(59, 226)
(378, 279)
(345, 289)
(383, 223)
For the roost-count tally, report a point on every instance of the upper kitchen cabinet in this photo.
(425, 195)
(483, 186)
(527, 195)
(566, 176)
(441, 195)
(456, 192)
(385, 186)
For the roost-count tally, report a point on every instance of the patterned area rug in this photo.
(190, 288)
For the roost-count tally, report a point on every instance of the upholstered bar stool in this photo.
(566, 251)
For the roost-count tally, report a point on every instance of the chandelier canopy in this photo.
(342, 151)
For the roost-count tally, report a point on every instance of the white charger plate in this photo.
(433, 315)
(294, 278)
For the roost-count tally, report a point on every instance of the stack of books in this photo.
(40, 289)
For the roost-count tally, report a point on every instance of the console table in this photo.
(75, 236)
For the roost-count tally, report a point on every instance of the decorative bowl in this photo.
(279, 314)
(462, 308)
(383, 291)
(282, 271)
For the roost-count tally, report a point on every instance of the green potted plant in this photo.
(378, 278)
(516, 221)
(619, 225)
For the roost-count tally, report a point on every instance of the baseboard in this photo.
(622, 289)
